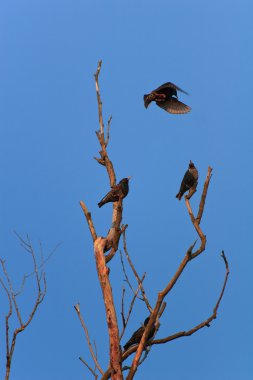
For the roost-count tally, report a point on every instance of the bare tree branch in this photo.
(100, 133)
(110, 242)
(126, 276)
(12, 297)
(114, 233)
(162, 294)
(89, 220)
(103, 275)
(101, 123)
(180, 334)
(131, 306)
(77, 309)
(89, 368)
(135, 273)
(205, 323)
(122, 307)
(11, 292)
(203, 198)
(7, 317)
(108, 131)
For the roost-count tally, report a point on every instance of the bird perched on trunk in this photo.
(165, 97)
(189, 181)
(117, 192)
(137, 335)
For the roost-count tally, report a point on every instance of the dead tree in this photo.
(14, 311)
(105, 249)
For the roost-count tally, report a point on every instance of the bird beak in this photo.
(129, 177)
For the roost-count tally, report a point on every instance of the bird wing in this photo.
(170, 85)
(174, 106)
(135, 338)
(116, 190)
(188, 180)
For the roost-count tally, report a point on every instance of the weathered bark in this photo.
(111, 317)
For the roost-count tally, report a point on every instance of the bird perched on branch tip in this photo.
(166, 97)
(190, 180)
(117, 192)
(137, 335)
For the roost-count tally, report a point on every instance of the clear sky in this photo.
(48, 112)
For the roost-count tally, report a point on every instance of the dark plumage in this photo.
(165, 97)
(189, 181)
(137, 335)
(117, 192)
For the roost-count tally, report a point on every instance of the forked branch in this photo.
(162, 294)
(40, 281)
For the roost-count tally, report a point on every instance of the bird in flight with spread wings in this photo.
(166, 97)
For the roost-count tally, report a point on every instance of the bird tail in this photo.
(100, 204)
(179, 196)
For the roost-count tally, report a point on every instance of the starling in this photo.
(117, 192)
(190, 180)
(137, 335)
(165, 97)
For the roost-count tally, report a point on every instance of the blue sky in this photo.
(49, 53)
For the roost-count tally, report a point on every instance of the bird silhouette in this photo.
(165, 97)
(190, 180)
(117, 192)
(137, 335)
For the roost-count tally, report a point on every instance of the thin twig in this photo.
(126, 276)
(131, 306)
(77, 309)
(89, 368)
(136, 274)
(12, 292)
(96, 354)
(100, 134)
(101, 123)
(108, 131)
(7, 317)
(122, 307)
(10, 345)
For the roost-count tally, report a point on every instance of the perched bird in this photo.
(189, 181)
(137, 335)
(165, 97)
(117, 192)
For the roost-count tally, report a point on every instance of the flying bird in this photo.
(117, 192)
(190, 180)
(137, 335)
(166, 97)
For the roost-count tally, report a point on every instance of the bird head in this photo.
(146, 320)
(191, 165)
(125, 180)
